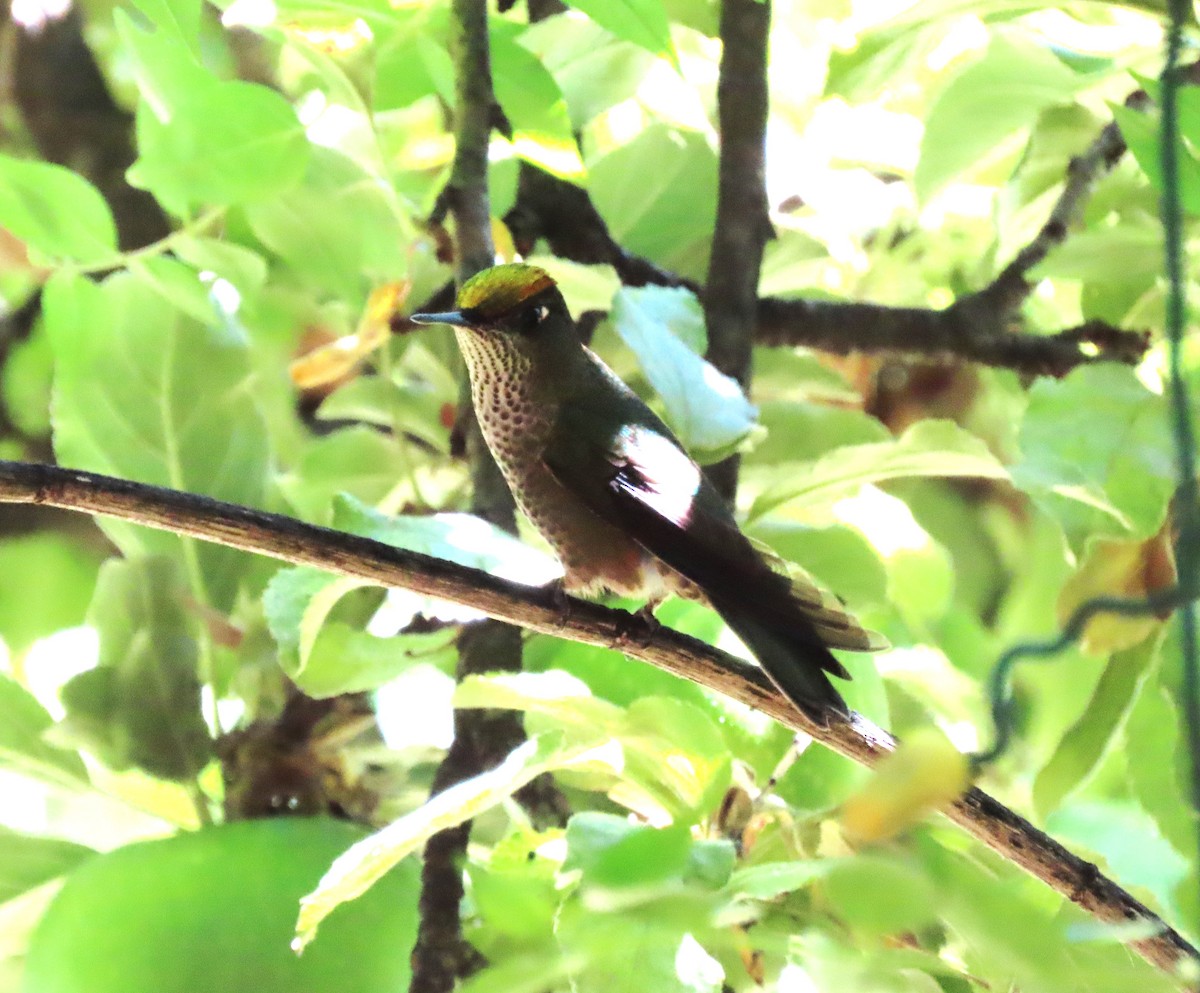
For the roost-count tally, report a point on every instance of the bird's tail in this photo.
(796, 660)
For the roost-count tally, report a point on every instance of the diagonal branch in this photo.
(540, 609)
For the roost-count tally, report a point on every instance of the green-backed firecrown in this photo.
(612, 490)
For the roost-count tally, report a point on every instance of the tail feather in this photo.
(796, 660)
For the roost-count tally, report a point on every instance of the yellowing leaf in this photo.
(1114, 567)
(924, 774)
(337, 359)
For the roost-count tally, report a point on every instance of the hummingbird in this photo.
(612, 490)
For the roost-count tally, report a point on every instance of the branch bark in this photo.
(743, 225)
(540, 609)
(442, 955)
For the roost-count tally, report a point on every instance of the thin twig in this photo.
(540, 609)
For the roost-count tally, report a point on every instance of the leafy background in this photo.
(296, 149)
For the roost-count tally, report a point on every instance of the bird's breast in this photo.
(517, 420)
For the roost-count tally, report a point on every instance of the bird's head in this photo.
(516, 300)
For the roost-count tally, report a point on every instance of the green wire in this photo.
(1188, 545)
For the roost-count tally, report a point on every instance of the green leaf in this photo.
(57, 213)
(774, 879)
(668, 214)
(258, 151)
(928, 448)
(338, 231)
(534, 106)
(611, 851)
(1141, 133)
(46, 582)
(144, 393)
(149, 917)
(365, 863)
(1097, 453)
(665, 328)
(25, 382)
(643, 22)
(27, 861)
(594, 70)
(141, 705)
(326, 657)
(553, 694)
(179, 19)
(1083, 746)
(1002, 92)
(1153, 739)
(23, 748)
(880, 895)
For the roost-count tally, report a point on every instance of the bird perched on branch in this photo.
(614, 493)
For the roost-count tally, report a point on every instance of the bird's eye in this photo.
(534, 316)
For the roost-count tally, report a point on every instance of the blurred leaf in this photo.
(202, 140)
(1141, 133)
(665, 328)
(23, 745)
(668, 214)
(149, 916)
(801, 431)
(245, 268)
(27, 861)
(774, 879)
(928, 448)
(1133, 850)
(1003, 91)
(1097, 453)
(141, 705)
(556, 695)
(365, 863)
(338, 230)
(594, 70)
(1029, 951)
(143, 393)
(880, 895)
(327, 657)
(1083, 746)
(643, 22)
(675, 757)
(46, 582)
(925, 773)
(1112, 567)
(612, 851)
(357, 461)
(55, 212)
(1152, 739)
(534, 106)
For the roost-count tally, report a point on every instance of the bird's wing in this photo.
(652, 490)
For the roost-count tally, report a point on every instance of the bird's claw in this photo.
(638, 627)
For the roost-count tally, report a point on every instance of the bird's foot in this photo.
(638, 627)
(560, 599)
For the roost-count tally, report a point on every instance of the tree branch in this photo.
(743, 223)
(539, 609)
(482, 738)
(980, 327)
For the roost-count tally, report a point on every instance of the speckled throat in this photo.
(517, 412)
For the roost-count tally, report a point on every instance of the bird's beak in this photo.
(452, 317)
